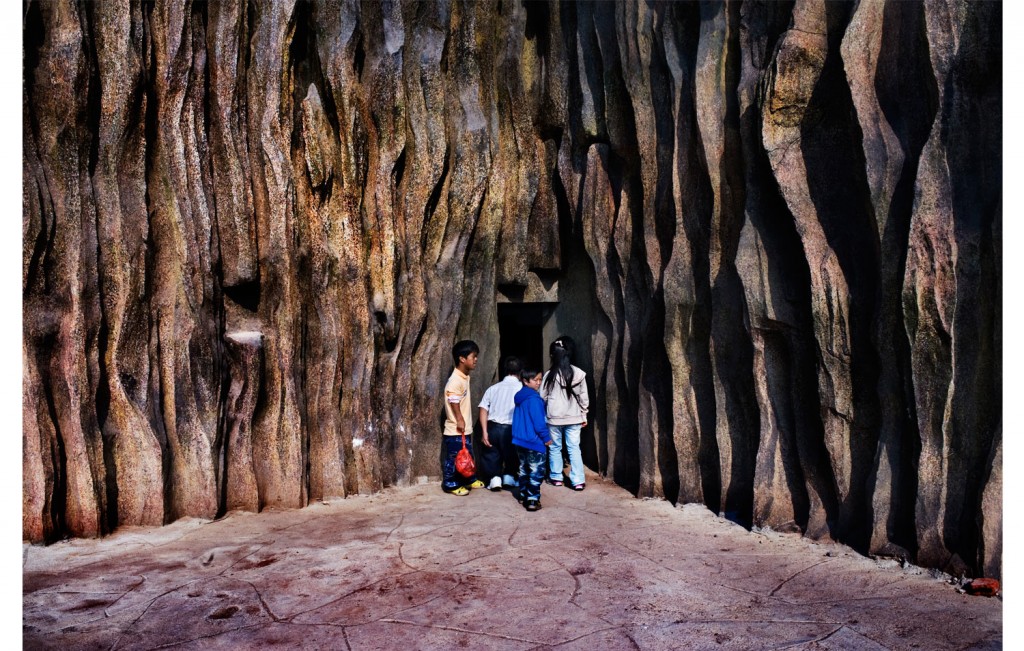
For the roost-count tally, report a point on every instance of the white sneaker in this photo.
(495, 484)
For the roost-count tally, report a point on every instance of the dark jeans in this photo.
(501, 458)
(450, 447)
(531, 473)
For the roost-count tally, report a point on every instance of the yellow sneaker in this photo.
(477, 484)
(461, 490)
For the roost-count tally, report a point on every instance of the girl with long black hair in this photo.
(564, 389)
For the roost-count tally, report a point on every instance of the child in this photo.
(564, 389)
(530, 436)
(500, 461)
(458, 418)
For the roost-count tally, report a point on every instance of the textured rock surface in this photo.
(252, 231)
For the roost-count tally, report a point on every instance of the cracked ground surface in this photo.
(413, 568)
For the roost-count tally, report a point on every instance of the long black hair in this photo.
(561, 351)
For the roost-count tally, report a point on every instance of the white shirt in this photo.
(499, 400)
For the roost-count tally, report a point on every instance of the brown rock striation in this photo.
(252, 231)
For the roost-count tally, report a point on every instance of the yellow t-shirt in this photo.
(457, 391)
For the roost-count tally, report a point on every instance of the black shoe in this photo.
(532, 505)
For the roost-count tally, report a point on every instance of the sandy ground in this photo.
(413, 568)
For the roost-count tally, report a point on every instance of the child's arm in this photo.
(483, 426)
(539, 420)
(460, 422)
(545, 436)
(584, 399)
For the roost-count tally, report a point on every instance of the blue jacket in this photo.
(529, 424)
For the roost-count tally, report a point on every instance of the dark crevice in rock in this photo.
(55, 528)
(109, 517)
(476, 210)
(630, 429)
(154, 194)
(92, 106)
(766, 22)
(301, 374)
(433, 199)
(656, 369)
(567, 16)
(908, 97)
(309, 76)
(159, 426)
(657, 365)
(537, 21)
(317, 52)
(695, 221)
(102, 397)
(793, 395)
(221, 443)
(595, 33)
(732, 347)
(624, 459)
(219, 322)
(418, 341)
(108, 507)
(831, 147)
(359, 56)
(637, 427)
(570, 227)
(904, 82)
(398, 171)
(733, 356)
(388, 343)
(200, 41)
(246, 33)
(612, 98)
(42, 243)
(34, 36)
(664, 213)
(245, 294)
(601, 424)
(305, 64)
(155, 408)
(781, 382)
(976, 72)
(33, 39)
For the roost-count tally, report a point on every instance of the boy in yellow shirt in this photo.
(458, 408)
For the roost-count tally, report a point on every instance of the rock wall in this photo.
(253, 230)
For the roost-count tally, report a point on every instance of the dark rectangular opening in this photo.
(521, 331)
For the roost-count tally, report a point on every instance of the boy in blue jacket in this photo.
(531, 437)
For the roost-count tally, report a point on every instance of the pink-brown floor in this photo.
(413, 568)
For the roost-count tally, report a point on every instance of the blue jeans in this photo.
(450, 447)
(572, 444)
(531, 473)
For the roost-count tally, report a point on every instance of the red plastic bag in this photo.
(464, 464)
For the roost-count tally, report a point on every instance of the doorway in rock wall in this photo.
(521, 331)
